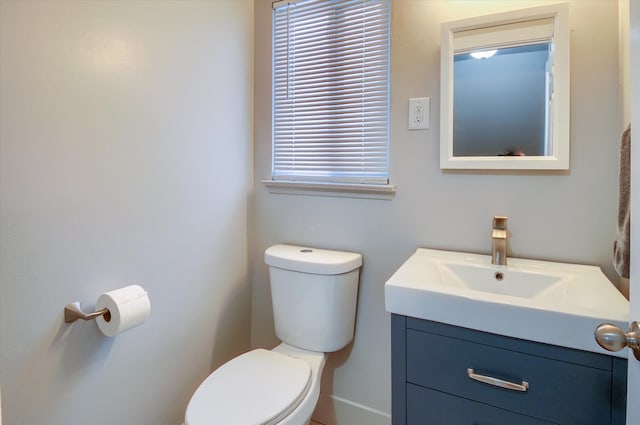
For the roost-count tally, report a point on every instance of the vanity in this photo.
(433, 364)
(476, 343)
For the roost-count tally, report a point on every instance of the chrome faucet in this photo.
(499, 241)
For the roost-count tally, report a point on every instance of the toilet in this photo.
(314, 294)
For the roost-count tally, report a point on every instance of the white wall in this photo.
(625, 59)
(126, 146)
(557, 216)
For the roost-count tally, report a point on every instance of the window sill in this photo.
(344, 190)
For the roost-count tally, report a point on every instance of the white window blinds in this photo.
(331, 91)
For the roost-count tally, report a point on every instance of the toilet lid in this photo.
(257, 388)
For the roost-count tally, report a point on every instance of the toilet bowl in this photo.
(314, 295)
(260, 387)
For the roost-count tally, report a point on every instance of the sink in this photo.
(516, 283)
(542, 301)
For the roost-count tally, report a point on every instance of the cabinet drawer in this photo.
(557, 391)
(430, 407)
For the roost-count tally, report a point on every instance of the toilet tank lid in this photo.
(311, 260)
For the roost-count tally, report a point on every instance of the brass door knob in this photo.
(612, 338)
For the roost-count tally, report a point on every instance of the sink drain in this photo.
(498, 275)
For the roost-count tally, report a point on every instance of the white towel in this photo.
(622, 245)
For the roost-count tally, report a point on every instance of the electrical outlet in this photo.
(419, 111)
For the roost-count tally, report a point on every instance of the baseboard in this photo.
(333, 410)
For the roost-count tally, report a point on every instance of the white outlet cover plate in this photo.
(419, 113)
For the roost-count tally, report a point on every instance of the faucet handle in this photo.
(500, 222)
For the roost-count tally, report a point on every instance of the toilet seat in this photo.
(260, 387)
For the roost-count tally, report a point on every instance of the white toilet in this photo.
(314, 294)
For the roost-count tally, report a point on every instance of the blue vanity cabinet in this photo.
(432, 385)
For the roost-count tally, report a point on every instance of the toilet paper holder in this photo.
(73, 312)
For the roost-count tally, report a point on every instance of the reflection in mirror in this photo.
(500, 101)
(505, 91)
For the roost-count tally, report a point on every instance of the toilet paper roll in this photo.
(128, 307)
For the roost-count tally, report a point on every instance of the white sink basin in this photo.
(514, 282)
(542, 301)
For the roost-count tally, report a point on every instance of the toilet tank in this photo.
(314, 293)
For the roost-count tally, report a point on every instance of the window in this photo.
(331, 91)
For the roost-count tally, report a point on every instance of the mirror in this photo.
(505, 91)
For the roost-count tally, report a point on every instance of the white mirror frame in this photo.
(558, 158)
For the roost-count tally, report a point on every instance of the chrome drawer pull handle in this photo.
(498, 382)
